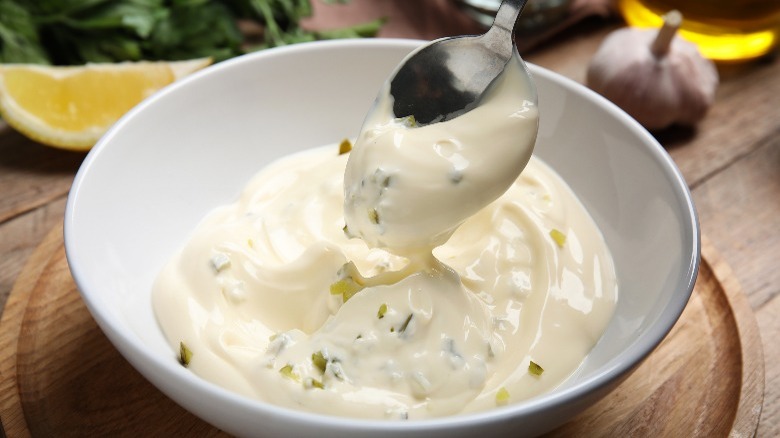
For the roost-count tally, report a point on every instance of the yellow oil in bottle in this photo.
(723, 30)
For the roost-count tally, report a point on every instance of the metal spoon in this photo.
(447, 77)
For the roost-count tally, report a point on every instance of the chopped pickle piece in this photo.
(381, 312)
(350, 282)
(535, 369)
(502, 396)
(381, 179)
(345, 147)
(558, 237)
(409, 122)
(310, 382)
(373, 216)
(287, 371)
(346, 288)
(185, 354)
(319, 361)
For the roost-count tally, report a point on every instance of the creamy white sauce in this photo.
(409, 188)
(257, 292)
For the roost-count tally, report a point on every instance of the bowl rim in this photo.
(131, 347)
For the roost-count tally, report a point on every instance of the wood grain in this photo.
(31, 174)
(745, 199)
(732, 128)
(19, 237)
(11, 411)
(740, 209)
(769, 324)
(689, 385)
(34, 181)
(66, 379)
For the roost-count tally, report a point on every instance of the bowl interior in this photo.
(193, 146)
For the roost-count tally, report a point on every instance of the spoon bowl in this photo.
(449, 76)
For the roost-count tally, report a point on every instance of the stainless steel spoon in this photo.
(447, 77)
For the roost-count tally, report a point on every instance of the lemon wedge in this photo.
(71, 107)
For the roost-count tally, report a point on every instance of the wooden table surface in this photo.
(731, 162)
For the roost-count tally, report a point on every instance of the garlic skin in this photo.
(654, 75)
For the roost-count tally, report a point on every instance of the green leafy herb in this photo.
(74, 32)
(382, 310)
(19, 40)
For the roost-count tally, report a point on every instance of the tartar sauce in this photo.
(452, 286)
(408, 188)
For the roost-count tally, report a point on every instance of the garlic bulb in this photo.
(655, 76)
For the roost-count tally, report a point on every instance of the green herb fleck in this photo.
(406, 323)
(185, 354)
(382, 310)
(558, 237)
(535, 369)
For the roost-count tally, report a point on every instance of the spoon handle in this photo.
(500, 38)
(507, 14)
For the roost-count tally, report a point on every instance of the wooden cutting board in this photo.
(60, 376)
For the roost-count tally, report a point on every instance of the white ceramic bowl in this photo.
(193, 146)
